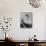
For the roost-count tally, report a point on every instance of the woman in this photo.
(26, 22)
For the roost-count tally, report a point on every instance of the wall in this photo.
(13, 8)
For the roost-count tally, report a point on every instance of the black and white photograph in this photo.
(26, 20)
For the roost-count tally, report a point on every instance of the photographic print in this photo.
(26, 20)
